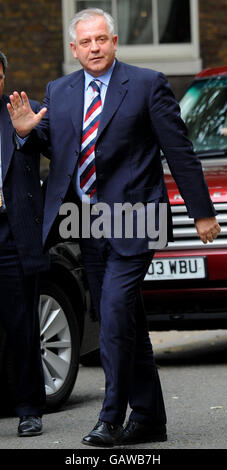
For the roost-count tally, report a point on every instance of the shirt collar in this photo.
(105, 78)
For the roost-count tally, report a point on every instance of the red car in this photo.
(186, 284)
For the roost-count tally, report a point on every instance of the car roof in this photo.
(212, 72)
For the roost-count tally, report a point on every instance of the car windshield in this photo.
(204, 110)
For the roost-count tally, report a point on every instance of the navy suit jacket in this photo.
(22, 194)
(140, 118)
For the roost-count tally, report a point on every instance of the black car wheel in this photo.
(60, 343)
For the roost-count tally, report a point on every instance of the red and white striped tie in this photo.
(87, 151)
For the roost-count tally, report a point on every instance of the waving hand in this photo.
(22, 116)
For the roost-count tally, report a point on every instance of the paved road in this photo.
(193, 372)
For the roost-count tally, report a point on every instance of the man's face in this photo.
(94, 47)
(1, 80)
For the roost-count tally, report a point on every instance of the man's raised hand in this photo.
(22, 116)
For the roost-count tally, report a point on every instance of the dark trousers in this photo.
(19, 296)
(125, 348)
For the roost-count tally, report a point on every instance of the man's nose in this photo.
(94, 46)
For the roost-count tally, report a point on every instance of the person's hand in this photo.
(22, 116)
(207, 228)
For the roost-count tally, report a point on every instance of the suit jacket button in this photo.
(37, 220)
(30, 195)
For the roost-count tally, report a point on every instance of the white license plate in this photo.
(176, 268)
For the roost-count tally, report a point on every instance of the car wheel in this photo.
(60, 343)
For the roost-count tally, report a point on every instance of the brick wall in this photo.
(31, 38)
(213, 32)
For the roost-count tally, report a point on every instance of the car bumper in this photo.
(181, 303)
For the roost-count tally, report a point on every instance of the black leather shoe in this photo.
(30, 426)
(136, 433)
(103, 435)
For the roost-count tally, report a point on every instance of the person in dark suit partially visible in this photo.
(106, 125)
(21, 259)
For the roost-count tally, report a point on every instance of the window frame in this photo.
(171, 59)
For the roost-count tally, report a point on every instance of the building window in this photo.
(161, 34)
(174, 24)
(147, 21)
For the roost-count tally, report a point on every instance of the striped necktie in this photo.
(87, 152)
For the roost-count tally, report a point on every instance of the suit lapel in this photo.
(116, 92)
(75, 97)
(7, 133)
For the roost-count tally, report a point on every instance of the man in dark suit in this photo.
(106, 125)
(21, 258)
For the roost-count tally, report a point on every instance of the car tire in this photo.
(60, 343)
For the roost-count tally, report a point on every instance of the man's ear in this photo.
(73, 49)
(115, 41)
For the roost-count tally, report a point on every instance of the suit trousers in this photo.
(125, 348)
(19, 296)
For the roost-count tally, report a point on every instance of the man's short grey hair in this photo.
(3, 61)
(85, 15)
